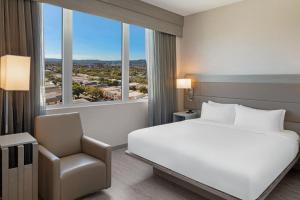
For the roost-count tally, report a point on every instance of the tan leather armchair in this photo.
(71, 164)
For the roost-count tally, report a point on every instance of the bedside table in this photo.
(181, 116)
(19, 177)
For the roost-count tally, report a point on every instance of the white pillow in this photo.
(259, 120)
(223, 114)
(231, 116)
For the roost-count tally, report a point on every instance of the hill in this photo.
(136, 63)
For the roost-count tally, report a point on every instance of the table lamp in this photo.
(14, 76)
(186, 83)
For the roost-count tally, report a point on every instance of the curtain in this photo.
(162, 78)
(20, 34)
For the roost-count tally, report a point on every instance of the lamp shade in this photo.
(15, 73)
(185, 83)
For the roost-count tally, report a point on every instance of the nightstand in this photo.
(180, 116)
(19, 175)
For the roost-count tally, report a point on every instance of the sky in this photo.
(94, 37)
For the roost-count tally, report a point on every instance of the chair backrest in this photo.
(60, 133)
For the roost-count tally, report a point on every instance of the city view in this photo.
(95, 80)
(97, 58)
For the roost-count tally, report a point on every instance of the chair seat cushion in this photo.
(81, 174)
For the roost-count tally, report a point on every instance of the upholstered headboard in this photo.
(257, 91)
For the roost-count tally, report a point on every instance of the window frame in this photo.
(67, 64)
(67, 56)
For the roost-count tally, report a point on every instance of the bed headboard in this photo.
(257, 91)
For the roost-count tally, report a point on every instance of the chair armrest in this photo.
(96, 148)
(49, 174)
(100, 151)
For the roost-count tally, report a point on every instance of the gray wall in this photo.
(249, 37)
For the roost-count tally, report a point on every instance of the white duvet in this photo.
(235, 161)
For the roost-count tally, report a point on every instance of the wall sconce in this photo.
(186, 83)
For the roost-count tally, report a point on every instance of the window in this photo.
(138, 84)
(53, 53)
(90, 58)
(97, 67)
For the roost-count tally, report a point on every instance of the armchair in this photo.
(71, 164)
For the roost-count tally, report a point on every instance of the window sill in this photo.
(108, 103)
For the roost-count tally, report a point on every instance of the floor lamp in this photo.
(14, 76)
(19, 151)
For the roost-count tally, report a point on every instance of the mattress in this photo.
(239, 162)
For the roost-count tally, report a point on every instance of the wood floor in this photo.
(134, 180)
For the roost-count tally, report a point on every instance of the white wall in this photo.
(110, 123)
(250, 37)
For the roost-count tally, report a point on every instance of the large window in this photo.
(90, 58)
(138, 84)
(97, 67)
(53, 53)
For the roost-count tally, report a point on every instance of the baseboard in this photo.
(121, 146)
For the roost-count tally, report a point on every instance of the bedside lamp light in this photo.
(14, 76)
(186, 83)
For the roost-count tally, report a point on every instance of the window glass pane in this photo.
(138, 83)
(53, 53)
(97, 65)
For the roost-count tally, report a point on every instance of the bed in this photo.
(224, 161)
(237, 162)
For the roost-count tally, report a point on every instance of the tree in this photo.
(133, 88)
(143, 89)
(76, 71)
(95, 94)
(56, 80)
(115, 83)
(77, 89)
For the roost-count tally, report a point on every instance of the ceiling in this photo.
(188, 7)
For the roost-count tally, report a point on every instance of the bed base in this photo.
(202, 189)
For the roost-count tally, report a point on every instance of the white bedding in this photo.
(238, 162)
